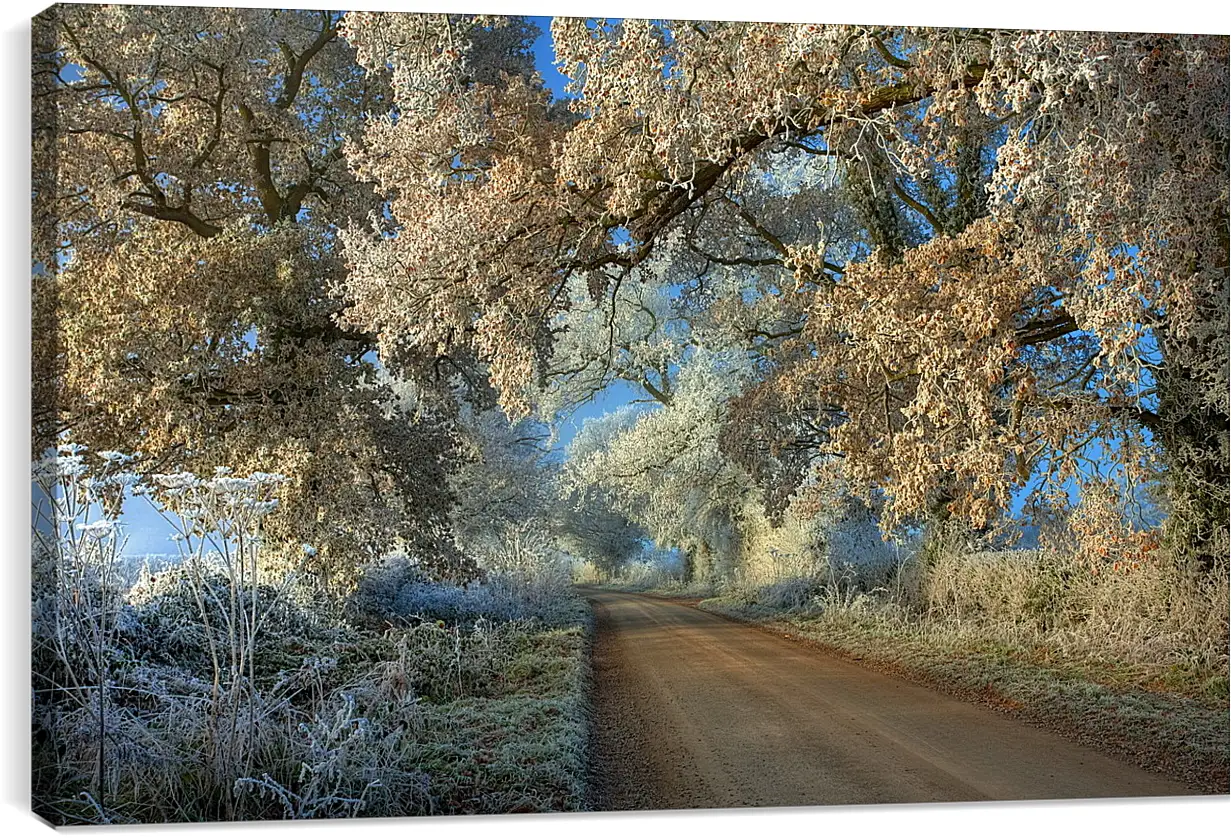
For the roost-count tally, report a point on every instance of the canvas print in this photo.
(442, 414)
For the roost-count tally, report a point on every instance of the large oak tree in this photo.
(190, 182)
(1023, 261)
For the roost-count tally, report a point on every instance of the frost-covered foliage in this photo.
(667, 470)
(219, 686)
(525, 577)
(870, 281)
(507, 478)
(638, 334)
(508, 490)
(663, 469)
(1106, 597)
(642, 575)
(590, 529)
(966, 258)
(186, 270)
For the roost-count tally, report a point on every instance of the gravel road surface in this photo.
(694, 710)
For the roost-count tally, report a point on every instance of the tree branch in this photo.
(918, 206)
(1042, 331)
(297, 64)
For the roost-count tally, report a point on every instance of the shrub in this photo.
(525, 577)
(1095, 590)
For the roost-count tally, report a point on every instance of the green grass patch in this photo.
(524, 753)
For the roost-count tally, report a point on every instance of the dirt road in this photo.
(694, 710)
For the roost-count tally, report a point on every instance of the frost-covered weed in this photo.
(527, 567)
(349, 763)
(228, 692)
(1154, 610)
(393, 591)
(76, 598)
(788, 594)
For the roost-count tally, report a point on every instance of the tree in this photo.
(185, 291)
(589, 527)
(663, 469)
(1025, 256)
(506, 478)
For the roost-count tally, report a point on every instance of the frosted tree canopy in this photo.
(936, 267)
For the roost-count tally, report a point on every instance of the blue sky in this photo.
(544, 58)
(614, 396)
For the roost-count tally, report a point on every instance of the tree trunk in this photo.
(1194, 441)
(1193, 433)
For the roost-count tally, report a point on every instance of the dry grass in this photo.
(1153, 617)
